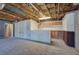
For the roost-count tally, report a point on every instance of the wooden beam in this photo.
(26, 10)
(15, 14)
(36, 8)
(47, 10)
(55, 10)
(9, 16)
(20, 17)
(42, 9)
(30, 10)
(7, 9)
(58, 10)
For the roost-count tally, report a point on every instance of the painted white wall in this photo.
(68, 21)
(22, 29)
(28, 29)
(16, 29)
(41, 35)
(34, 25)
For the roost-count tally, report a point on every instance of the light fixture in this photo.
(44, 18)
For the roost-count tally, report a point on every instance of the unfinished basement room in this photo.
(39, 29)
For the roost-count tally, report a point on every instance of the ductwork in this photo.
(2, 6)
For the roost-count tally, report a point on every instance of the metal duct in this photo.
(2, 6)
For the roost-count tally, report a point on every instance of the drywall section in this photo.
(68, 21)
(22, 29)
(34, 25)
(41, 35)
(77, 29)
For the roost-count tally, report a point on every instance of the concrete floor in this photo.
(25, 47)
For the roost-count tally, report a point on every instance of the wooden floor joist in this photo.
(38, 10)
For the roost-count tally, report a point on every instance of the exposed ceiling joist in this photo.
(47, 11)
(26, 10)
(40, 13)
(15, 14)
(29, 10)
(21, 11)
(8, 16)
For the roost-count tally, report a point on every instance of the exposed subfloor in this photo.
(25, 47)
